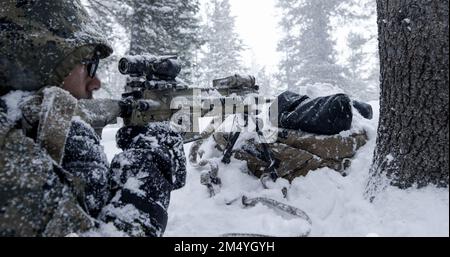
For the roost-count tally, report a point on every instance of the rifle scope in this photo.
(165, 68)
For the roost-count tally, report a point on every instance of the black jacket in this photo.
(328, 115)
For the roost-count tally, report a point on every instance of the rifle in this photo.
(152, 94)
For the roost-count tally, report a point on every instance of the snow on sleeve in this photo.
(133, 184)
(13, 100)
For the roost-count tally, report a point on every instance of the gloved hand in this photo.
(364, 109)
(165, 145)
(151, 166)
(84, 158)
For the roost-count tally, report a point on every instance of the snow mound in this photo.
(335, 204)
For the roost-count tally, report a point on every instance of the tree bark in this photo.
(413, 136)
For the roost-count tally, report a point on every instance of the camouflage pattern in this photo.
(57, 109)
(297, 153)
(41, 41)
(31, 195)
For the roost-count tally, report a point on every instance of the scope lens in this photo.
(123, 66)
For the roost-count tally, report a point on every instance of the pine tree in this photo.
(264, 79)
(362, 64)
(308, 50)
(266, 83)
(221, 57)
(356, 42)
(110, 15)
(159, 27)
(363, 77)
(166, 27)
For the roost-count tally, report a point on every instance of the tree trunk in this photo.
(413, 136)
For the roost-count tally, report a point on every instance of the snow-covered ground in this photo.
(335, 204)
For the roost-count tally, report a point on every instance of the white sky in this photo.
(257, 24)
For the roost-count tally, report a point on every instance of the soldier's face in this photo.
(79, 84)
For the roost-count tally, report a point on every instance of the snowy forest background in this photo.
(315, 47)
(327, 42)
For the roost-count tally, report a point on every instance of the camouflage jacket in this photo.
(53, 191)
(40, 43)
(38, 197)
(33, 199)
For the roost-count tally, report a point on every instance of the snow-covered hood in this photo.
(41, 42)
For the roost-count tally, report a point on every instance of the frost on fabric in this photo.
(84, 157)
(105, 230)
(133, 184)
(13, 100)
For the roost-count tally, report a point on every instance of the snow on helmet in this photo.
(41, 41)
